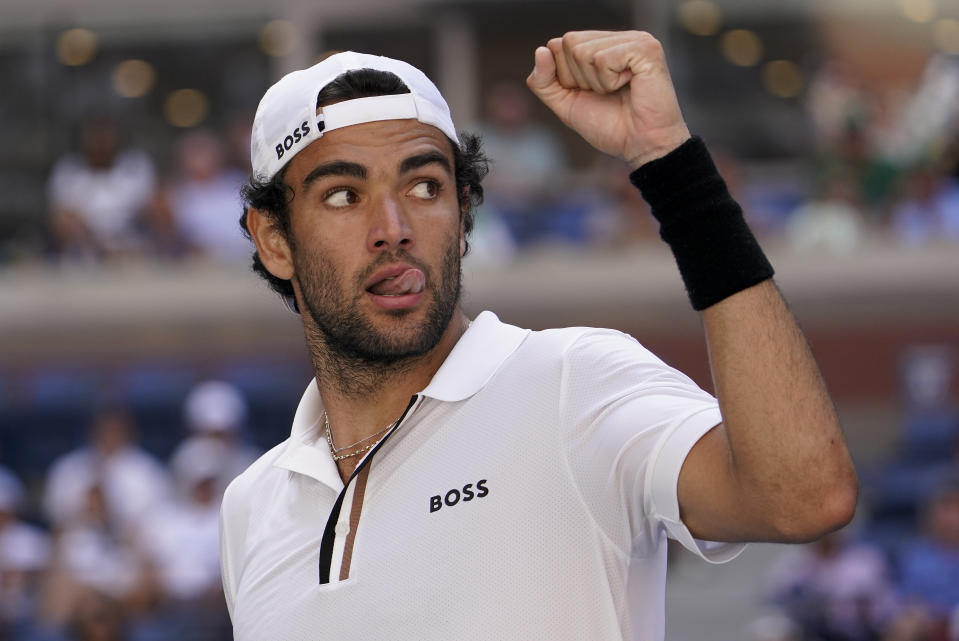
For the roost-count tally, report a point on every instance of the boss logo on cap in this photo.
(294, 137)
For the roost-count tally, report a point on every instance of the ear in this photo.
(271, 244)
(463, 209)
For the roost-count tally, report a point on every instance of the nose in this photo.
(390, 226)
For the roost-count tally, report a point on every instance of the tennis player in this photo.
(456, 478)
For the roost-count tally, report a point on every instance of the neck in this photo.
(350, 377)
(361, 397)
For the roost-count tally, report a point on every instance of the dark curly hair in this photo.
(273, 196)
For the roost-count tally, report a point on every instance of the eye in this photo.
(425, 189)
(340, 197)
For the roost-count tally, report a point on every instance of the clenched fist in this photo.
(612, 88)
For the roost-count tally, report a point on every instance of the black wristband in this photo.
(715, 250)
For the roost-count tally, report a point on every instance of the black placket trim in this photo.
(329, 533)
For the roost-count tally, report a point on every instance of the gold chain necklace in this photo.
(335, 451)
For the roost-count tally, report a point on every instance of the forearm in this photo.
(778, 468)
(788, 457)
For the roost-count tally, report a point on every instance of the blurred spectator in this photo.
(854, 126)
(131, 480)
(616, 212)
(835, 589)
(928, 209)
(527, 163)
(932, 415)
(181, 542)
(913, 624)
(773, 626)
(238, 143)
(838, 104)
(24, 556)
(215, 413)
(929, 566)
(98, 618)
(831, 221)
(97, 196)
(921, 459)
(928, 116)
(181, 536)
(202, 202)
(93, 556)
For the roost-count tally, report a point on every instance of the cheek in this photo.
(320, 246)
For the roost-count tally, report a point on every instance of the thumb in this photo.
(544, 71)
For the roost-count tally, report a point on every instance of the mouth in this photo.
(398, 286)
(398, 281)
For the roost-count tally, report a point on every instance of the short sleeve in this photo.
(630, 421)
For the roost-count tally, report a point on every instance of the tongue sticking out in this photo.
(412, 281)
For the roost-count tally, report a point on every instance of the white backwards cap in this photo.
(286, 120)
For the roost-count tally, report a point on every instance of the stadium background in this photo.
(141, 330)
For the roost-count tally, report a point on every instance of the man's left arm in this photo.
(777, 468)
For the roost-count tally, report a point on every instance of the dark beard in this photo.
(348, 351)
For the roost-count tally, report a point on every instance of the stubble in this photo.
(349, 351)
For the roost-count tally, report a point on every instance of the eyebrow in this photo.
(336, 168)
(355, 170)
(428, 158)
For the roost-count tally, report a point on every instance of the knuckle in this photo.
(650, 42)
(582, 51)
(644, 38)
(572, 38)
(602, 57)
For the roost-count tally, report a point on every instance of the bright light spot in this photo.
(279, 38)
(945, 33)
(917, 10)
(700, 17)
(185, 108)
(76, 47)
(133, 78)
(782, 78)
(742, 47)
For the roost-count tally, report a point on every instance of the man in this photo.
(449, 479)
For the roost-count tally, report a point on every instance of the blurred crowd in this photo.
(894, 574)
(884, 161)
(120, 545)
(878, 163)
(107, 200)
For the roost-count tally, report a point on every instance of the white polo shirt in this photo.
(526, 493)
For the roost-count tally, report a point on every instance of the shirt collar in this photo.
(480, 351)
(477, 355)
(306, 452)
